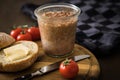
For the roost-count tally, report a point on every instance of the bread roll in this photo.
(20, 64)
(5, 40)
(16, 64)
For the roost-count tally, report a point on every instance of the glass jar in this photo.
(57, 23)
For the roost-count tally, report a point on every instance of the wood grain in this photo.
(88, 68)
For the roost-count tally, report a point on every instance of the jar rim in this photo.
(50, 5)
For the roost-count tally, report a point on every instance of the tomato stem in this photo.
(25, 26)
(23, 32)
(66, 62)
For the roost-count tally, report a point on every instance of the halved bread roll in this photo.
(5, 40)
(7, 65)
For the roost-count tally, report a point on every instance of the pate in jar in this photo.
(57, 23)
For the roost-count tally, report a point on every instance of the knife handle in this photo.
(29, 76)
(25, 77)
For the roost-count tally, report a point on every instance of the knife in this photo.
(49, 68)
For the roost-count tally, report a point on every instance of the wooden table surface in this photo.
(11, 14)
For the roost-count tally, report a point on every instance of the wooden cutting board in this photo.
(88, 68)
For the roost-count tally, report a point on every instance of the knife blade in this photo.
(49, 68)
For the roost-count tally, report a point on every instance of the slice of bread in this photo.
(5, 40)
(20, 64)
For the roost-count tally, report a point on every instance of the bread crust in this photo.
(24, 63)
(5, 40)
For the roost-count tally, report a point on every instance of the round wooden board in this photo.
(88, 68)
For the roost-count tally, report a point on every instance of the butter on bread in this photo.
(5, 40)
(16, 56)
(16, 52)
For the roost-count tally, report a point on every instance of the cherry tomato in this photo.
(25, 29)
(14, 33)
(68, 69)
(24, 36)
(35, 33)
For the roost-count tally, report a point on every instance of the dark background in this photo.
(10, 14)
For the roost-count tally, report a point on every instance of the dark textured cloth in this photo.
(98, 27)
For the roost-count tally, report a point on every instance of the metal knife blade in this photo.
(50, 68)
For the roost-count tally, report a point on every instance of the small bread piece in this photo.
(5, 40)
(20, 64)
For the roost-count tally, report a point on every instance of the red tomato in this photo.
(24, 36)
(25, 29)
(35, 33)
(68, 69)
(14, 33)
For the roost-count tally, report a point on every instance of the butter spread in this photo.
(16, 52)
